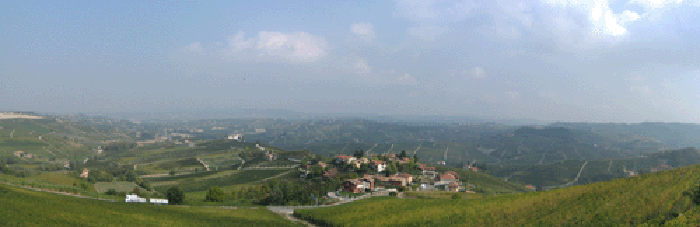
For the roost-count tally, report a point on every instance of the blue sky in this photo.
(554, 60)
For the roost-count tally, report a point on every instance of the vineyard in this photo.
(29, 208)
(655, 199)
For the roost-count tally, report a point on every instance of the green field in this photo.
(654, 199)
(240, 177)
(29, 208)
(119, 186)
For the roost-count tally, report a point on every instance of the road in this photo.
(392, 147)
(448, 148)
(205, 165)
(579, 154)
(610, 165)
(370, 149)
(12, 133)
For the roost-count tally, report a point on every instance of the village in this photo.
(386, 173)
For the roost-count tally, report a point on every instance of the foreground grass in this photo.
(650, 199)
(29, 208)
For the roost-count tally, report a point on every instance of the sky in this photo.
(552, 60)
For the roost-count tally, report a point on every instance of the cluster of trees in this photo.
(119, 146)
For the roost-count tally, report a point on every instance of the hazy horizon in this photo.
(623, 61)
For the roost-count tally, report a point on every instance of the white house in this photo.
(134, 199)
(378, 165)
(238, 137)
(159, 201)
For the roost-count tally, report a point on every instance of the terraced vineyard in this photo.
(655, 199)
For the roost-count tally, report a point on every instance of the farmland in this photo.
(31, 208)
(652, 199)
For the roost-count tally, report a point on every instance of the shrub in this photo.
(456, 196)
(215, 194)
(392, 193)
(175, 196)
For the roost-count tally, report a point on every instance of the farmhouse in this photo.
(85, 173)
(134, 199)
(378, 165)
(344, 159)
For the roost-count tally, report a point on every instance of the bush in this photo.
(175, 196)
(215, 194)
(111, 191)
(392, 193)
(456, 196)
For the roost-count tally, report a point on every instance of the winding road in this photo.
(421, 144)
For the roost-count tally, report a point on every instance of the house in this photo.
(447, 177)
(330, 173)
(441, 163)
(344, 159)
(475, 169)
(271, 156)
(529, 186)
(452, 187)
(408, 177)
(134, 199)
(322, 165)
(360, 161)
(425, 167)
(159, 201)
(358, 185)
(85, 173)
(238, 137)
(453, 173)
(378, 165)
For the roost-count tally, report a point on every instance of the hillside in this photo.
(595, 170)
(655, 199)
(30, 208)
(671, 135)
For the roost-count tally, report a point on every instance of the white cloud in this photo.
(513, 95)
(275, 46)
(475, 72)
(641, 89)
(407, 79)
(362, 68)
(195, 47)
(655, 4)
(434, 10)
(363, 31)
(426, 33)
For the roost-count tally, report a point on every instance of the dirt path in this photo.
(202, 162)
(445, 156)
(291, 217)
(346, 146)
(579, 172)
(540, 163)
(579, 154)
(12, 133)
(421, 144)
(610, 165)
(370, 149)
(392, 147)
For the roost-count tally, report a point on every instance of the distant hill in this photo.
(671, 135)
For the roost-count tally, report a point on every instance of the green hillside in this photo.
(30, 208)
(655, 199)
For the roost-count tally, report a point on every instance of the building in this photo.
(453, 173)
(360, 161)
(378, 165)
(452, 187)
(85, 173)
(408, 177)
(441, 163)
(159, 201)
(134, 199)
(529, 186)
(238, 137)
(344, 159)
(447, 178)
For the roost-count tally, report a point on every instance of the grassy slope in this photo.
(29, 208)
(649, 198)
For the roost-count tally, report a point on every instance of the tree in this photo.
(359, 153)
(136, 191)
(175, 196)
(215, 194)
(111, 191)
(456, 196)
(172, 173)
(415, 158)
(403, 154)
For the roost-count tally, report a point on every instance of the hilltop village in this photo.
(385, 173)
